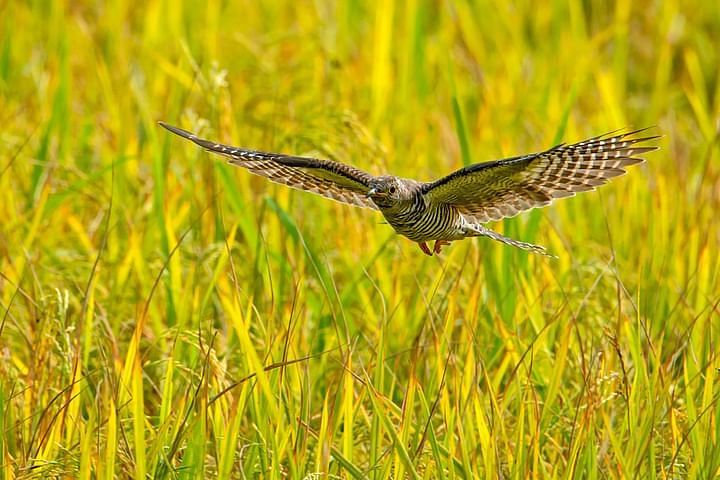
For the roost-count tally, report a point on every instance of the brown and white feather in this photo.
(334, 180)
(494, 190)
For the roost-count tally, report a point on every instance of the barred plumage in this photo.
(455, 206)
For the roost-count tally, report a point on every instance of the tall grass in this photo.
(165, 315)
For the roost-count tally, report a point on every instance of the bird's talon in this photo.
(437, 248)
(425, 249)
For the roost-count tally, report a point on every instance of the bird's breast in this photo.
(420, 222)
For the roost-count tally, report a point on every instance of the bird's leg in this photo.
(439, 244)
(425, 249)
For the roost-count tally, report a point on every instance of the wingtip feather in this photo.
(214, 147)
(177, 131)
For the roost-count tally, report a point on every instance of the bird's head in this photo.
(387, 191)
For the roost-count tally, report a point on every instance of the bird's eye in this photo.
(392, 190)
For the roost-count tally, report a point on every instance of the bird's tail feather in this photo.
(480, 231)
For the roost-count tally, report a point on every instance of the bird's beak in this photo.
(371, 192)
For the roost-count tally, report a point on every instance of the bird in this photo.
(456, 206)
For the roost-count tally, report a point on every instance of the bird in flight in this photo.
(456, 206)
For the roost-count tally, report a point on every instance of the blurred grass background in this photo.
(165, 315)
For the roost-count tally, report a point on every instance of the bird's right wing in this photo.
(503, 188)
(334, 180)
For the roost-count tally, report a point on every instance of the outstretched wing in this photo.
(503, 188)
(333, 180)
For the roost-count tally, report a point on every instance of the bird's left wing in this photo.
(494, 190)
(334, 180)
